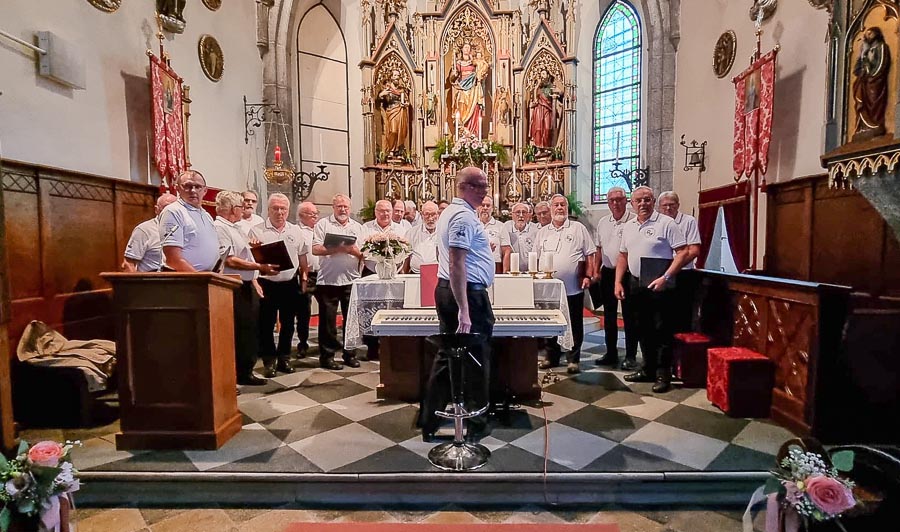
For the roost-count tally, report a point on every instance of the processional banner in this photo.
(168, 122)
(753, 105)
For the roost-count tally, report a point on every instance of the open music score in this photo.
(424, 322)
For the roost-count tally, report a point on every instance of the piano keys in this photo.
(406, 358)
(424, 322)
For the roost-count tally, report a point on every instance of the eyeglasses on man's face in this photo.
(187, 187)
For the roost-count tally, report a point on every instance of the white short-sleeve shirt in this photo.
(293, 239)
(312, 261)
(609, 237)
(460, 228)
(656, 238)
(144, 247)
(570, 244)
(498, 236)
(688, 226)
(339, 269)
(231, 236)
(423, 245)
(190, 228)
(521, 242)
(245, 225)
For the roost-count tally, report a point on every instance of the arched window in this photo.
(617, 97)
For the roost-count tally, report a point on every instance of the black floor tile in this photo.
(151, 461)
(611, 424)
(587, 387)
(302, 424)
(327, 392)
(280, 460)
(394, 459)
(520, 423)
(513, 459)
(737, 458)
(622, 458)
(718, 426)
(397, 425)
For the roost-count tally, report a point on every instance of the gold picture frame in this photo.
(212, 61)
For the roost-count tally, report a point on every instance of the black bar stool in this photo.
(458, 455)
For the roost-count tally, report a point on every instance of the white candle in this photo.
(513, 262)
(532, 185)
(446, 130)
(532, 261)
(514, 168)
(405, 185)
(491, 128)
(148, 160)
(547, 262)
(321, 151)
(456, 122)
(424, 180)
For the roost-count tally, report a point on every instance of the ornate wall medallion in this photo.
(108, 6)
(723, 54)
(213, 5)
(822, 4)
(211, 59)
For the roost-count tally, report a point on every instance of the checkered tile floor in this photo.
(330, 421)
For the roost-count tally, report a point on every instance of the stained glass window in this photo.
(617, 97)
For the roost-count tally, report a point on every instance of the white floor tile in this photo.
(762, 437)
(276, 405)
(364, 406)
(644, 407)
(677, 445)
(555, 407)
(251, 440)
(567, 446)
(341, 446)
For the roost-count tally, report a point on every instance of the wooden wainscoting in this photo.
(827, 235)
(62, 229)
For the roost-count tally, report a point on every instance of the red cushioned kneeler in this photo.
(740, 381)
(689, 358)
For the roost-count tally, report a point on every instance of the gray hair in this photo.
(278, 195)
(670, 194)
(542, 204)
(410, 204)
(227, 200)
(616, 189)
(244, 193)
(642, 187)
(340, 197)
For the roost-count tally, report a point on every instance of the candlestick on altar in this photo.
(514, 169)
(405, 186)
(456, 125)
(532, 185)
(446, 130)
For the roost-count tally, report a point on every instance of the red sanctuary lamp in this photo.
(277, 173)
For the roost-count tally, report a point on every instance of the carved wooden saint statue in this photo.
(544, 112)
(394, 102)
(870, 90)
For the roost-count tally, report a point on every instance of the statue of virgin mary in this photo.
(466, 94)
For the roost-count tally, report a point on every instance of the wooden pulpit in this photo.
(175, 350)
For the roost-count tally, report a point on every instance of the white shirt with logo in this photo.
(312, 261)
(521, 242)
(424, 247)
(609, 237)
(144, 247)
(372, 228)
(245, 225)
(293, 240)
(232, 239)
(339, 269)
(570, 244)
(657, 238)
(190, 228)
(498, 236)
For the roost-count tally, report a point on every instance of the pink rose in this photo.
(46, 453)
(829, 494)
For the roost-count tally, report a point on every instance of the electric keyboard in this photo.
(424, 322)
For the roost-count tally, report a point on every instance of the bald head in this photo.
(163, 201)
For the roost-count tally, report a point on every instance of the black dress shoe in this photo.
(252, 380)
(547, 364)
(639, 376)
(629, 365)
(269, 371)
(351, 362)
(607, 360)
(662, 385)
(285, 366)
(301, 351)
(331, 364)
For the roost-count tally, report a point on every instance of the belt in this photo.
(474, 287)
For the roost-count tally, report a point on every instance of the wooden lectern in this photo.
(175, 350)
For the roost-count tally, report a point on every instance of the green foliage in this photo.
(576, 208)
(443, 146)
(843, 460)
(773, 485)
(529, 153)
(368, 211)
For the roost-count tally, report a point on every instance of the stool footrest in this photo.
(461, 412)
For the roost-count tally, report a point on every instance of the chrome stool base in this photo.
(459, 456)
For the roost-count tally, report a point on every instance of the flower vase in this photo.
(386, 269)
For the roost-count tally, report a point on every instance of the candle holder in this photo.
(634, 177)
(547, 274)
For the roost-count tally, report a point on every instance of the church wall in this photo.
(104, 129)
(704, 107)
